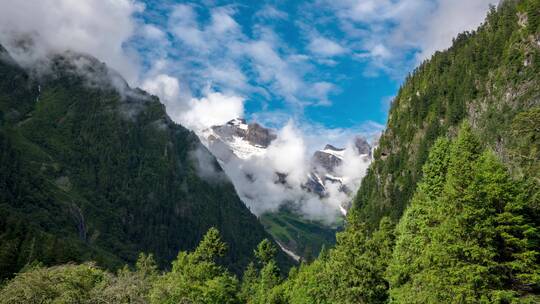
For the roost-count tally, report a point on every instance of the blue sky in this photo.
(334, 64)
(330, 67)
(320, 71)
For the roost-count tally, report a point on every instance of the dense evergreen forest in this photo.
(97, 171)
(448, 213)
(489, 76)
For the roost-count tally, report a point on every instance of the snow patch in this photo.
(337, 153)
(289, 252)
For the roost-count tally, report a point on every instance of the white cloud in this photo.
(153, 32)
(325, 47)
(217, 53)
(290, 154)
(167, 88)
(99, 28)
(451, 18)
(270, 12)
(385, 31)
(213, 109)
(287, 154)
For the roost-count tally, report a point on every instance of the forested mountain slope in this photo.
(449, 212)
(94, 170)
(489, 76)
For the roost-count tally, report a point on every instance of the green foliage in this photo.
(128, 286)
(488, 77)
(60, 284)
(89, 174)
(469, 241)
(309, 284)
(533, 16)
(196, 277)
(260, 281)
(265, 252)
(353, 272)
(362, 260)
(303, 236)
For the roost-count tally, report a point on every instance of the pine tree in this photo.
(196, 277)
(464, 238)
(261, 284)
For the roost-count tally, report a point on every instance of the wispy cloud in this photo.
(392, 36)
(325, 47)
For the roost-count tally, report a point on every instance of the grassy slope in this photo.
(304, 237)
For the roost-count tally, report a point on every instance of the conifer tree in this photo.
(466, 242)
(196, 277)
(259, 283)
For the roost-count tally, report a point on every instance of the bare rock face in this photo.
(259, 136)
(315, 185)
(362, 146)
(234, 127)
(253, 133)
(327, 159)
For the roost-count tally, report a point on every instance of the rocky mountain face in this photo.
(238, 144)
(240, 140)
(326, 164)
(94, 170)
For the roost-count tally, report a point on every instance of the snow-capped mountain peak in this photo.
(244, 141)
(238, 138)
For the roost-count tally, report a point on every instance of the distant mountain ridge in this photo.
(237, 143)
(238, 139)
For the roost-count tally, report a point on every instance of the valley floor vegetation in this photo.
(470, 235)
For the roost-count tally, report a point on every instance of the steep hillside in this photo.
(94, 170)
(449, 212)
(489, 77)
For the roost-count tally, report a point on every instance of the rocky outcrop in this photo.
(328, 159)
(259, 136)
(362, 146)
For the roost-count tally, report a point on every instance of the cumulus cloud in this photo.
(213, 109)
(354, 166)
(99, 28)
(153, 33)
(216, 51)
(164, 86)
(288, 155)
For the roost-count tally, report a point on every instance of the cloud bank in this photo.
(99, 28)
(264, 191)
